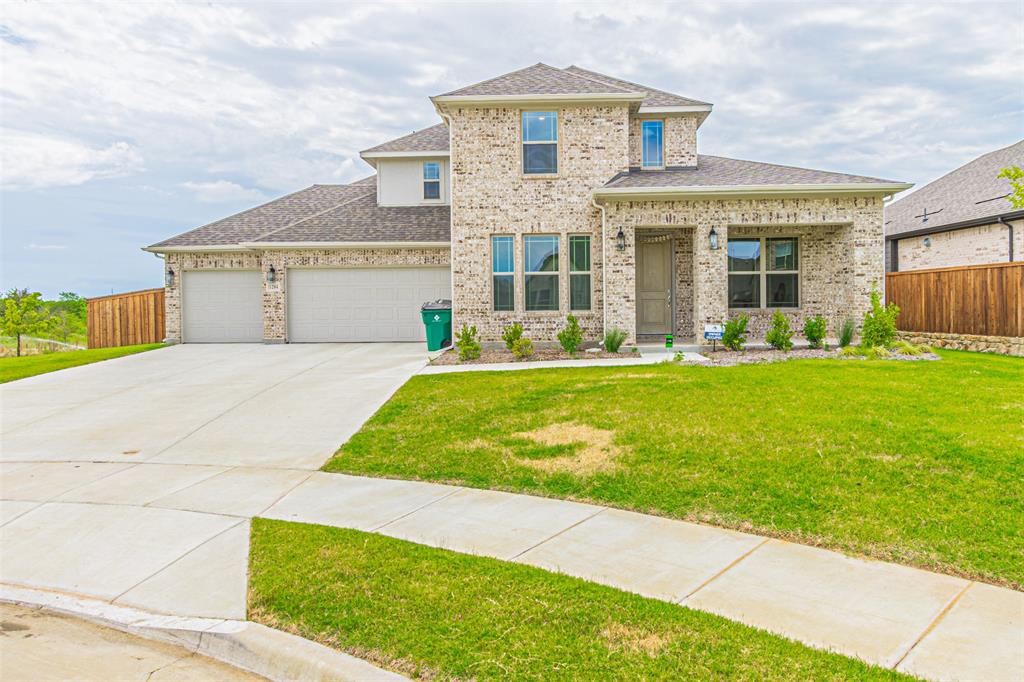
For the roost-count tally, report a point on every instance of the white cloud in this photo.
(223, 191)
(33, 161)
(46, 247)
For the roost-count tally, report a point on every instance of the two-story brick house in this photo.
(543, 192)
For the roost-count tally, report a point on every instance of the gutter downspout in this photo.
(604, 268)
(447, 118)
(1009, 228)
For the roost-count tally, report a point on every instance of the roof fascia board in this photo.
(277, 246)
(682, 109)
(751, 191)
(196, 248)
(962, 225)
(403, 155)
(467, 100)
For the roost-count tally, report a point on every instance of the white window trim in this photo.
(763, 271)
(424, 181)
(511, 273)
(642, 148)
(557, 274)
(588, 272)
(523, 142)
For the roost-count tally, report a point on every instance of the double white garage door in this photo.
(322, 304)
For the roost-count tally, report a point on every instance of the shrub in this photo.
(511, 334)
(734, 336)
(522, 348)
(613, 339)
(779, 336)
(572, 336)
(906, 348)
(850, 351)
(815, 329)
(846, 331)
(465, 341)
(879, 328)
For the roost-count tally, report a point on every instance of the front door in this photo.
(654, 287)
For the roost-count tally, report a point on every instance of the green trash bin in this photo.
(437, 318)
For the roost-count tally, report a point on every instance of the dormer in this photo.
(412, 170)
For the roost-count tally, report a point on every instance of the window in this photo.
(431, 180)
(540, 142)
(540, 267)
(579, 272)
(763, 273)
(651, 140)
(503, 272)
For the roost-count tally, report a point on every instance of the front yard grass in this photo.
(914, 462)
(438, 614)
(31, 365)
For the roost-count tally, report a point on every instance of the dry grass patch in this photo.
(633, 640)
(597, 452)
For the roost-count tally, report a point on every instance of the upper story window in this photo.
(540, 142)
(652, 143)
(431, 180)
(764, 273)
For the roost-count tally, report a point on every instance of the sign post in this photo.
(713, 332)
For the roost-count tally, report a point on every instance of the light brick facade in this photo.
(679, 145)
(979, 245)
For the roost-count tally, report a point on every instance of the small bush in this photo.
(572, 336)
(613, 339)
(779, 336)
(511, 334)
(879, 328)
(734, 336)
(465, 341)
(850, 351)
(815, 329)
(522, 348)
(846, 332)
(906, 348)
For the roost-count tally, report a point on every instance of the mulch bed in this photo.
(495, 355)
(728, 358)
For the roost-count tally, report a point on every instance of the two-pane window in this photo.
(764, 272)
(540, 272)
(503, 272)
(540, 142)
(652, 143)
(431, 180)
(579, 272)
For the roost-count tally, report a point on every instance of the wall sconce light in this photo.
(927, 241)
(271, 275)
(713, 239)
(620, 240)
(169, 277)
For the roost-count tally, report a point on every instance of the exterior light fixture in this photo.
(927, 241)
(713, 239)
(169, 277)
(271, 275)
(620, 240)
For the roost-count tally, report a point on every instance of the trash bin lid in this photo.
(439, 304)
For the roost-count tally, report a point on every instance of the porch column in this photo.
(710, 278)
(620, 277)
(273, 296)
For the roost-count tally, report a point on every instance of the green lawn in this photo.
(442, 615)
(31, 365)
(914, 462)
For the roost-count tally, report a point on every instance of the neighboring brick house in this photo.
(963, 218)
(544, 192)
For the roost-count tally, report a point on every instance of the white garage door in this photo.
(222, 306)
(361, 304)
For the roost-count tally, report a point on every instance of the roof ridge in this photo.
(646, 88)
(504, 75)
(315, 215)
(781, 165)
(590, 75)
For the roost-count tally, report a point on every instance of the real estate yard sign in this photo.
(713, 333)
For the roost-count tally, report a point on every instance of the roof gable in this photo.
(540, 79)
(654, 98)
(432, 139)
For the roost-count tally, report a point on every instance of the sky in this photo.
(123, 124)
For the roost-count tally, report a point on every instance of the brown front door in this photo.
(654, 287)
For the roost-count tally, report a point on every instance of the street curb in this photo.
(249, 646)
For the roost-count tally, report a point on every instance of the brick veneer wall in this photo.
(490, 195)
(680, 141)
(970, 246)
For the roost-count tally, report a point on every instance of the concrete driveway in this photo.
(133, 480)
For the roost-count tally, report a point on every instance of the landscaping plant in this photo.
(522, 348)
(734, 336)
(465, 341)
(613, 339)
(511, 334)
(572, 336)
(24, 314)
(846, 331)
(779, 336)
(879, 328)
(815, 329)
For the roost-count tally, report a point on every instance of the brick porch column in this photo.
(620, 278)
(274, 330)
(710, 279)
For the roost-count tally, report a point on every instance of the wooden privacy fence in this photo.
(126, 319)
(987, 300)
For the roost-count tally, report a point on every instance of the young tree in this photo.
(24, 314)
(69, 313)
(1016, 177)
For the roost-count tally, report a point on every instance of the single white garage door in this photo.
(361, 304)
(222, 306)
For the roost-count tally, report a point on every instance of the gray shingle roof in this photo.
(654, 98)
(540, 79)
(714, 171)
(971, 192)
(432, 139)
(272, 215)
